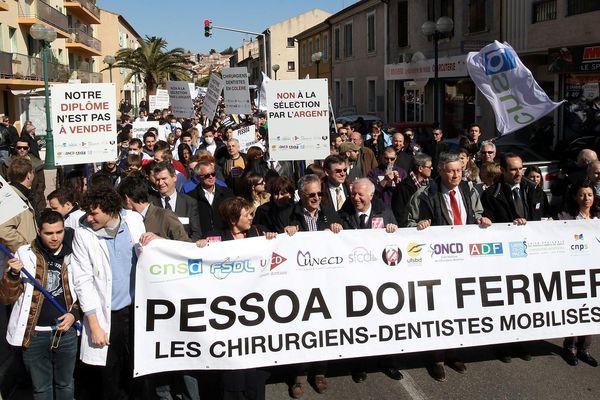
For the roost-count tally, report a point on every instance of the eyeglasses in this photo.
(209, 175)
(314, 194)
(389, 158)
(487, 152)
(22, 147)
(340, 170)
(428, 166)
(260, 183)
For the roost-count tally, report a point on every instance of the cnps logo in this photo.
(391, 255)
(486, 249)
(221, 270)
(498, 60)
(273, 262)
(193, 267)
(579, 245)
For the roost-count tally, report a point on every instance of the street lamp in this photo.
(110, 60)
(436, 29)
(275, 68)
(46, 35)
(316, 58)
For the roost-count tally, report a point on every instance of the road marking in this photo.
(411, 387)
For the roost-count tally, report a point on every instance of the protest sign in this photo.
(213, 93)
(319, 296)
(141, 127)
(10, 202)
(298, 114)
(181, 99)
(246, 136)
(84, 123)
(236, 91)
(162, 99)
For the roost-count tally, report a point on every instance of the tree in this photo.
(153, 63)
(212, 51)
(228, 50)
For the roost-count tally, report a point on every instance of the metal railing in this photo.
(86, 76)
(88, 5)
(543, 11)
(79, 36)
(21, 66)
(44, 12)
(582, 6)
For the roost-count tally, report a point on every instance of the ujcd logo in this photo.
(499, 60)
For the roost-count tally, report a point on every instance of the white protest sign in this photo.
(141, 127)
(298, 115)
(319, 296)
(84, 123)
(162, 99)
(10, 202)
(213, 93)
(151, 103)
(181, 99)
(246, 136)
(236, 90)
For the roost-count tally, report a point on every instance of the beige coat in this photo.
(20, 229)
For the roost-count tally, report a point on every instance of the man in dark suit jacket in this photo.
(513, 198)
(334, 184)
(419, 176)
(186, 208)
(209, 196)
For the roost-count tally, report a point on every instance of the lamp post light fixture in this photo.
(316, 58)
(436, 29)
(46, 35)
(110, 60)
(275, 68)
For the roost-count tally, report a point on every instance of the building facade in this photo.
(314, 53)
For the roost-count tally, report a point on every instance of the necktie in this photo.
(363, 221)
(455, 209)
(167, 205)
(339, 199)
(518, 202)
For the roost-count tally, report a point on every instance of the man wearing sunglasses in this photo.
(209, 196)
(487, 152)
(335, 189)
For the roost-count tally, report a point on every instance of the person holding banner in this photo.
(46, 335)
(275, 215)
(448, 200)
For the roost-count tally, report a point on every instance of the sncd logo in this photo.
(391, 255)
(414, 249)
(305, 259)
(221, 270)
(274, 262)
(361, 255)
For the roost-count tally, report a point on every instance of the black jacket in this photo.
(185, 207)
(273, 218)
(327, 216)
(401, 198)
(350, 221)
(210, 219)
(433, 207)
(499, 207)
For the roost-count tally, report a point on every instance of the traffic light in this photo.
(207, 28)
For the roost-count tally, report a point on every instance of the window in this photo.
(350, 93)
(304, 54)
(336, 43)
(317, 44)
(371, 32)
(371, 96)
(477, 22)
(310, 52)
(348, 40)
(402, 23)
(582, 6)
(337, 94)
(12, 35)
(440, 8)
(291, 66)
(291, 42)
(325, 46)
(543, 11)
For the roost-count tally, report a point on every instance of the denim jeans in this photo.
(51, 370)
(4, 155)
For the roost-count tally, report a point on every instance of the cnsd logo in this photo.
(361, 255)
(223, 269)
(193, 267)
(391, 255)
(414, 251)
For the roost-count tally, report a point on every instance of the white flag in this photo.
(515, 96)
(262, 93)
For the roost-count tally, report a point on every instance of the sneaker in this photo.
(587, 358)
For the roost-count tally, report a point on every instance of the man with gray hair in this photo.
(446, 201)
(365, 212)
(593, 175)
(487, 151)
(417, 178)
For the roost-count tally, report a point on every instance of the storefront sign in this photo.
(575, 59)
(448, 67)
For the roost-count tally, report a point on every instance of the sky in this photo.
(181, 22)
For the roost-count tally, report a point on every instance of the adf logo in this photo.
(391, 255)
(275, 261)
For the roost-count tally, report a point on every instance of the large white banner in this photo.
(298, 115)
(141, 127)
(10, 202)
(213, 94)
(236, 90)
(181, 99)
(320, 296)
(84, 124)
(515, 96)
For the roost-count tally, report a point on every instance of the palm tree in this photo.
(152, 63)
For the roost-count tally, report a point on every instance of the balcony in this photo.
(3, 5)
(82, 43)
(39, 12)
(85, 10)
(575, 7)
(86, 76)
(20, 70)
(544, 11)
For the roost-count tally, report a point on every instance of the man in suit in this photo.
(334, 187)
(403, 159)
(162, 222)
(418, 177)
(209, 196)
(185, 207)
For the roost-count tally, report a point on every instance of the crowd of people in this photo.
(190, 181)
